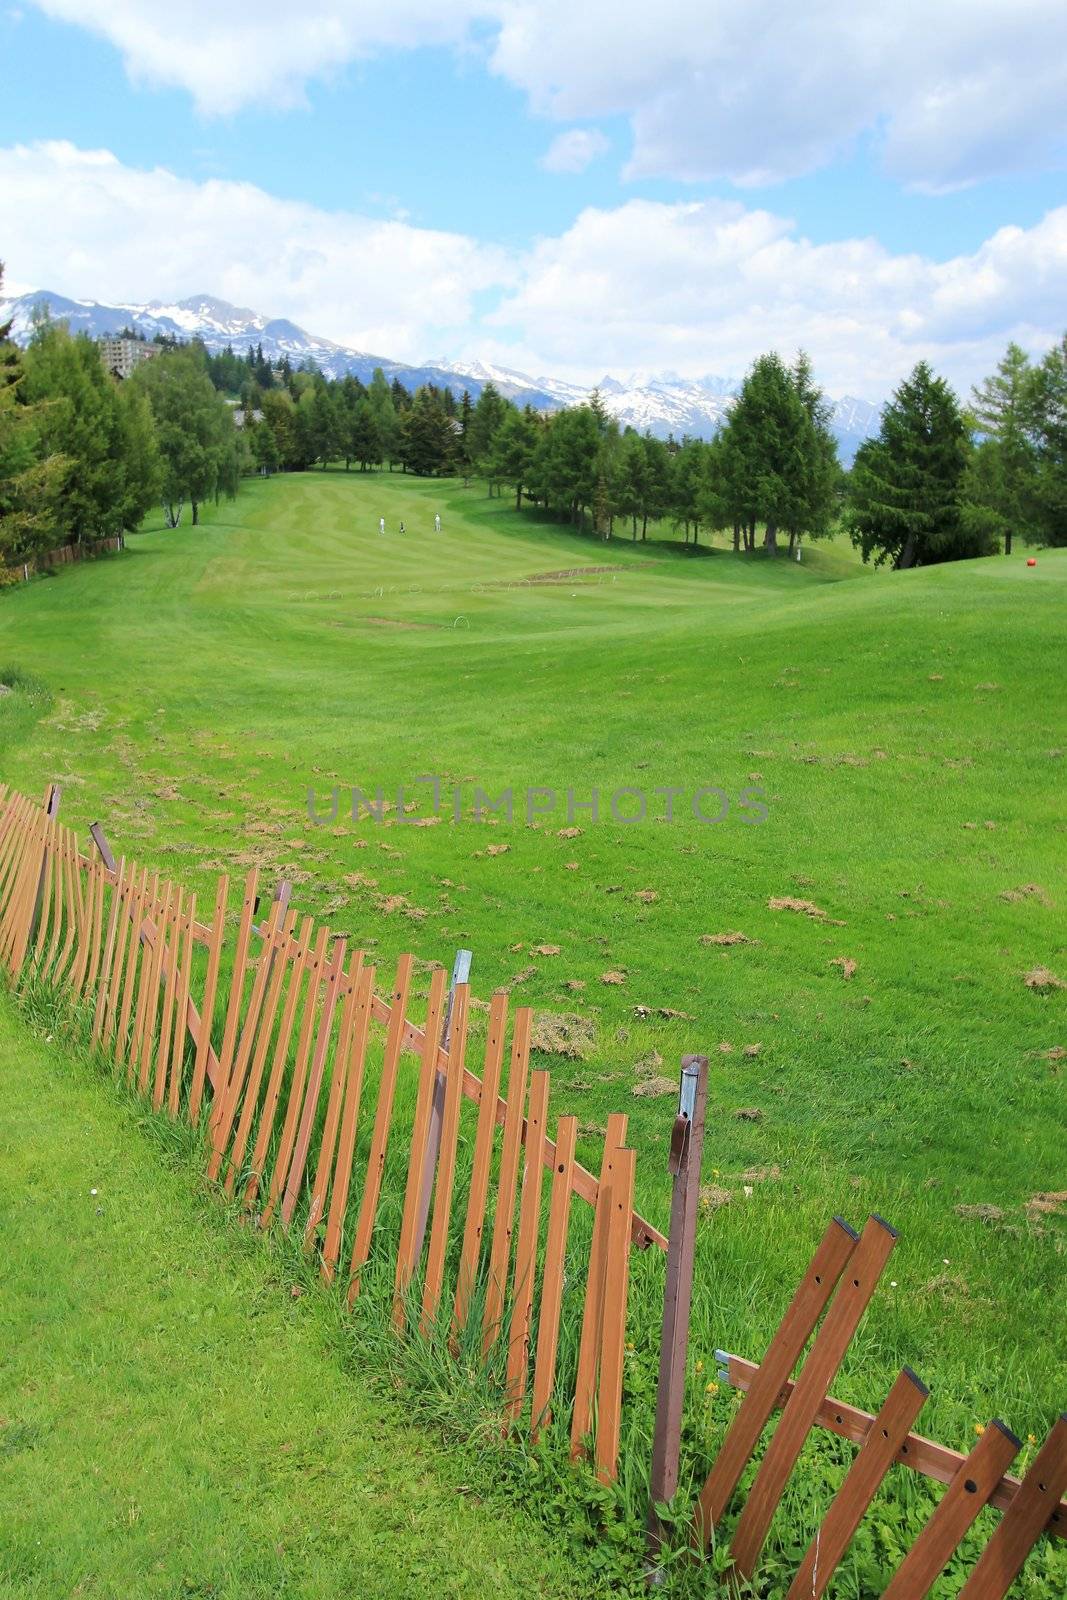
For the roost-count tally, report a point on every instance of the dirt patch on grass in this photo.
(1042, 980)
(395, 622)
(734, 937)
(788, 902)
(562, 1033)
(1025, 891)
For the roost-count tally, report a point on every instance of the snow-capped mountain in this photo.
(661, 404)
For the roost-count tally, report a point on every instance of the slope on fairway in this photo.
(908, 732)
(172, 1421)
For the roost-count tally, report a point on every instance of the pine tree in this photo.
(906, 486)
(1047, 416)
(31, 479)
(512, 451)
(80, 419)
(485, 419)
(1007, 476)
(380, 398)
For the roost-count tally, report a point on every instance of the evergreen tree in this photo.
(1047, 415)
(279, 420)
(771, 451)
(486, 418)
(1005, 476)
(365, 440)
(512, 451)
(385, 416)
(31, 479)
(821, 470)
(906, 485)
(632, 478)
(195, 430)
(81, 419)
(142, 465)
(427, 434)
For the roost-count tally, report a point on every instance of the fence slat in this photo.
(478, 1193)
(613, 1321)
(228, 1097)
(172, 965)
(298, 1165)
(121, 905)
(207, 1008)
(503, 1219)
(383, 1116)
(887, 1433)
(277, 1071)
(316, 971)
(149, 1010)
(133, 956)
(851, 1300)
(177, 1057)
(446, 1161)
(144, 976)
(783, 1352)
(533, 1171)
(278, 970)
(956, 1512)
(96, 949)
(405, 1256)
(548, 1312)
(1035, 1503)
(593, 1310)
(320, 1183)
(346, 1144)
(107, 961)
(237, 987)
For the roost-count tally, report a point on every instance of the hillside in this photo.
(906, 733)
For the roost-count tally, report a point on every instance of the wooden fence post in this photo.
(686, 1152)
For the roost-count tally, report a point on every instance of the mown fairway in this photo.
(908, 732)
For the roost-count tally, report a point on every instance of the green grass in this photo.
(908, 731)
(173, 1422)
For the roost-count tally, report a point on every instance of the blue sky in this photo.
(881, 197)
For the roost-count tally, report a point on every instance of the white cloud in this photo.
(696, 288)
(749, 90)
(574, 150)
(704, 287)
(83, 224)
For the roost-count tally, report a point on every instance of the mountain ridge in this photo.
(662, 404)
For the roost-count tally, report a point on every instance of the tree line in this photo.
(940, 481)
(83, 455)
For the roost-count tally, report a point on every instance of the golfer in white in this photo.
(437, 523)
(381, 524)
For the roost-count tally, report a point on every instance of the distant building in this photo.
(121, 356)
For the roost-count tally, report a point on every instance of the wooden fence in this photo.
(23, 571)
(276, 1041)
(298, 1056)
